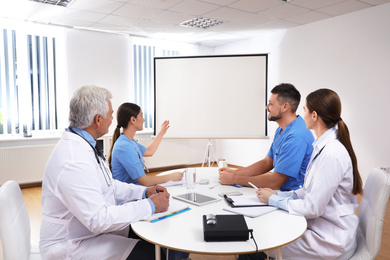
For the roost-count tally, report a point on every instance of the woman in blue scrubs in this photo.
(127, 155)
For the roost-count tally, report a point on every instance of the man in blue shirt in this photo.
(290, 151)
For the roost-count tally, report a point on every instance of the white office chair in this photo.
(15, 224)
(371, 215)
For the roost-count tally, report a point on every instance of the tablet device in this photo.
(196, 198)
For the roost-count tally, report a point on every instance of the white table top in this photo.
(184, 232)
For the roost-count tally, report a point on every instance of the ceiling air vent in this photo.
(64, 3)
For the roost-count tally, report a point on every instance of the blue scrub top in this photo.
(126, 161)
(291, 150)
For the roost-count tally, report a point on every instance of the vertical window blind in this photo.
(28, 102)
(143, 56)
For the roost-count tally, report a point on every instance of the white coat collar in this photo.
(328, 136)
(318, 146)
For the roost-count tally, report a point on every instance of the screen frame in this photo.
(262, 123)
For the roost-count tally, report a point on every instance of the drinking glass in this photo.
(222, 163)
(190, 177)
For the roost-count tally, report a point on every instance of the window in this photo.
(143, 54)
(28, 83)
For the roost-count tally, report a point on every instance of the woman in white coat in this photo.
(328, 196)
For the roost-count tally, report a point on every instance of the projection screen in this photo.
(211, 97)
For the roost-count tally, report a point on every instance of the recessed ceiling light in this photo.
(64, 3)
(201, 22)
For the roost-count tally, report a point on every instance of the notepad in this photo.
(175, 208)
(251, 211)
(244, 201)
(172, 183)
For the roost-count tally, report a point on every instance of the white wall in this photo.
(96, 58)
(349, 54)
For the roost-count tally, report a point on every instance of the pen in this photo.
(250, 183)
(212, 187)
(229, 200)
(167, 215)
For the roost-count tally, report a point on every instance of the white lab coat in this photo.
(327, 203)
(80, 215)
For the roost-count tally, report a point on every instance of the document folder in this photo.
(244, 201)
(226, 228)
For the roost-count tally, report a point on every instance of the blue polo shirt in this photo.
(126, 160)
(291, 150)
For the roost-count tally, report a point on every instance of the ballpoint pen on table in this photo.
(254, 186)
(212, 187)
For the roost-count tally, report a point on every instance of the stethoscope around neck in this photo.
(100, 160)
(309, 167)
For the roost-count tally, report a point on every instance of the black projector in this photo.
(218, 228)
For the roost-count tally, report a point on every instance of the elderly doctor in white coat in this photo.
(328, 196)
(85, 212)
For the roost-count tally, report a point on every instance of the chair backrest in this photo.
(14, 223)
(371, 215)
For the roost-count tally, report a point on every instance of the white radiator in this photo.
(24, 164)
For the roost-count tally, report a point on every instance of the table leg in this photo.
(279, 253)
(157, 252)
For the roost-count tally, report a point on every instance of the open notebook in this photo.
(175, 207)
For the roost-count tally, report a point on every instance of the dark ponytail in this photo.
(125, 112)
(326, 103)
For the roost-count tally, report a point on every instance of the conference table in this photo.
(184, 231)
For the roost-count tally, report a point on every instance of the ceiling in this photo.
(160, 19)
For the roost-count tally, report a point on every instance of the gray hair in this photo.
(86, 103)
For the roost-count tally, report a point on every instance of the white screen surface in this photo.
(211, 96)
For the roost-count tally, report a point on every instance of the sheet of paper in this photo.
(172, 183)
(251, 211)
